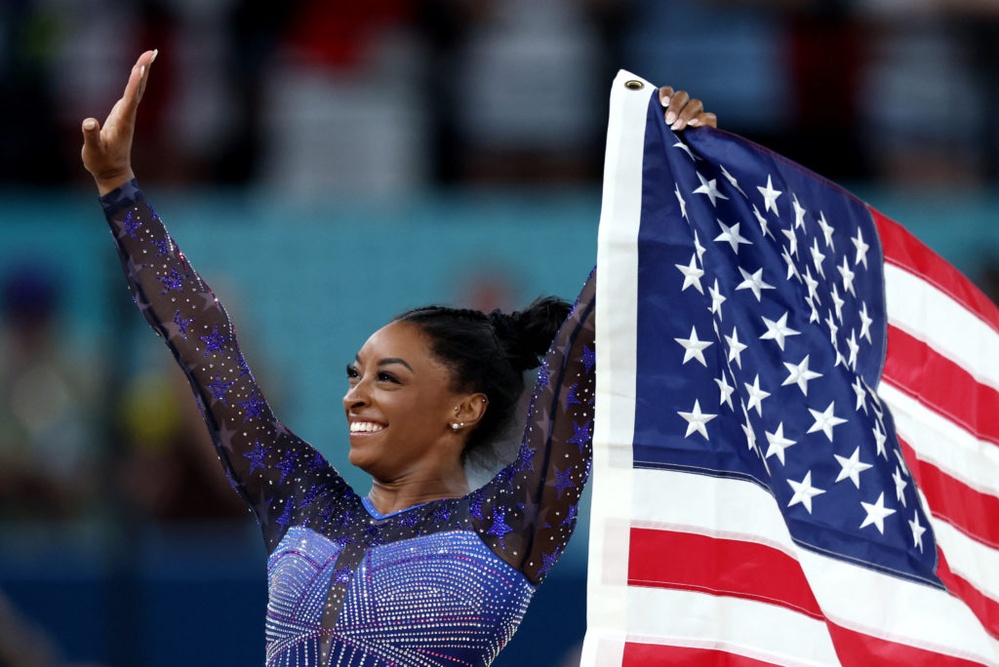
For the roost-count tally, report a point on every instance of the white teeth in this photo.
(365, 427)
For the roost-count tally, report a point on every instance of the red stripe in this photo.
(905, 250)
(857, 648)
(971, 512)
(653, 655)
(736, 568)
(921, 372)
(984, 608)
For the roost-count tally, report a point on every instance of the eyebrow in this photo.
(387, 361)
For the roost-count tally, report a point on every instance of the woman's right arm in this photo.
(277, 473)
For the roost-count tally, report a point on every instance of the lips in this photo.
(365, 427)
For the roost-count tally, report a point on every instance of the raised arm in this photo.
(277, 473)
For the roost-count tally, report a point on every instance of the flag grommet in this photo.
(634, 84)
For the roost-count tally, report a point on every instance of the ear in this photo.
(470, 408)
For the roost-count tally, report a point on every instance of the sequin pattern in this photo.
(445, 583)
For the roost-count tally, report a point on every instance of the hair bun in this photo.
(527, 334)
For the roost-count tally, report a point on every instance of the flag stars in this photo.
(799, 213)
(792, 241)
(862, 248)
(804, 492)
(876, 514)
(691, 275)
(726, 391)
(900, 485)
(825, 421)
(917, 531)
(880, 438)
(753, 282)
(770, 195)
(681, 200)
(778, 443)
(694, 347)
(697, 420)
(731, 236)
(854, 346)
(838, 303)
(817, 258)
(735, 347)
(860, 391)
(731, 179)
(762, 220)
(778, 331)
(851, 467)
(709, 188)
(827, 231)
(847, 275)
(756, 395)
(800, 375)
(717, 299)
(865, 323)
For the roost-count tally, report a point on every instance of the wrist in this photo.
(111, 182)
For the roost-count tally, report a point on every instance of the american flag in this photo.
(795, 448)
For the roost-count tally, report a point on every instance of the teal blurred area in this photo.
(124, 579)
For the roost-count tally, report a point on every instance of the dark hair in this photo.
(489, 354)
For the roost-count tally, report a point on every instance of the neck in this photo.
(389, 497)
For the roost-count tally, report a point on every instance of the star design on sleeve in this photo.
(852, 466)
(876, 514)
(825, 421)
(130, 225)
(563, 480)
(172, 281)
(697, 420)
(582, 434)
(214, 341)
(500, 528)
(694, 347)
(219, 387)
(804, 492)
(589, 358)
(256, 456)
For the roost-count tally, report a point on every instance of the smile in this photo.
(365, 427)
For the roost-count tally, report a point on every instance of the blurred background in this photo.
(328, 163)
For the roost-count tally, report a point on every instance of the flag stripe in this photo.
(924, 311)
(943, 443)
(984, 608)
(654, 655)
(710, 564)
(906, 251)
(918, 370)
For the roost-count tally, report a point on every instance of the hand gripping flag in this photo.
(796, 451)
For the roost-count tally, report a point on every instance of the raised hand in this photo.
(681, 110)
(107, 151)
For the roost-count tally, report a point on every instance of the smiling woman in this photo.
(421, 571)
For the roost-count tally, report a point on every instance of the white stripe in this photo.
(943, 443)
(617, 306)
(745, 627)
(972, 561)
(926, 313)
(851, 596)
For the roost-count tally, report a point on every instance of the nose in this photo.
(356, 396)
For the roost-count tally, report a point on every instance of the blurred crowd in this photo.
(394, 95)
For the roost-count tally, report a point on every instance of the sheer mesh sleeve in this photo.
(526, 514)
(280, 476)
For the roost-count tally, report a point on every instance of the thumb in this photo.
(91, 132)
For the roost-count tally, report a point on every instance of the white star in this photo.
(694, 348)
(917, 531)
(880, 438)
(698, 248)
(804, 492)
(861, 392)
(799, 213)
(900, 485)
(778, 443)
(731, 236)
(735, 348)
(753, 282)
(731, 179)
(825, 421)
(827, 231)
(760, 218)
(876, 514)
(691, 275)
(682, 146)
(813, 316)
(861, 247)
(793, 239)
(726, 391)
(679, 198)
(769, 196)
(710, 189)
(817, 258)
(756, 395)
(800, 375)
(854, 346)
(901, 462)
(717, 299)
(837, 303)
(812, 284)
(847, 274)
(747, 430)
(852, 467)
(792, 268)
(778, 331)
(831, 323)
(697, 420)
(865, 323)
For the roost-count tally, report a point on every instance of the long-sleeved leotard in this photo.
(442, 583)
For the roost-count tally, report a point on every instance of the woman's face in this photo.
(400, 406)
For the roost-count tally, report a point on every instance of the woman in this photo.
(422, 570)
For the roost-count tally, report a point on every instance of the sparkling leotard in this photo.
(442, 583)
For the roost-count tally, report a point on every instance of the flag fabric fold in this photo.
(796, 446)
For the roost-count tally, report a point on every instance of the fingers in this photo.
(91, 132)
(683, 111)
(137, 78)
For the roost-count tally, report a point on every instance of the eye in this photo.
(352, 374)
(385, 376)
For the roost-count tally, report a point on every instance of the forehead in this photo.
(402, 340)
